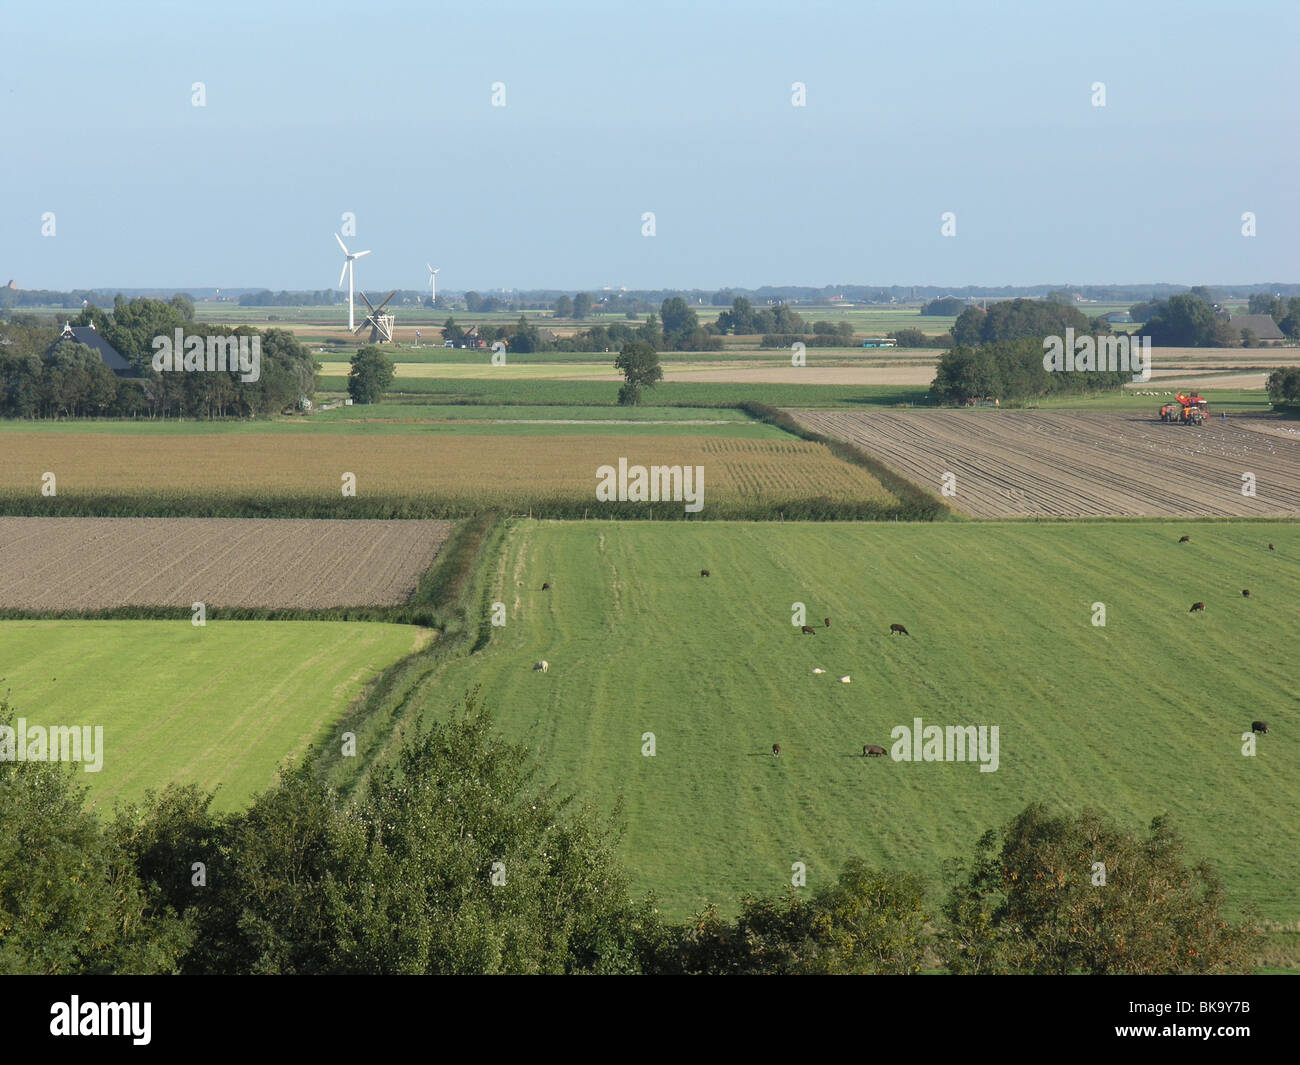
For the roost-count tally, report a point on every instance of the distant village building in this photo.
(89, 335)
(1262, 325)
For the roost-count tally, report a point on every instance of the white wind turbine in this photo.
(347, 269)
(433, 283)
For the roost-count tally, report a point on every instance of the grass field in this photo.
(1140, 717)
(224, 705)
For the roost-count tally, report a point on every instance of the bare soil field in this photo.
(102, 563)
(1061, 464)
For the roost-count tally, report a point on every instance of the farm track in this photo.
(1061, 464)
(104, 563)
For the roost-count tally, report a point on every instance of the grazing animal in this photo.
(872, 749)
(1270, 547)
(809, 630)
(542, 666)
(546, 586)
(898, 628)
(704, 573)
(1246, 592)
(1196, 607)
(817, 670)
(1259, 726)
(1185, 540)
(776, 749)
(844, 680)
(828, 623)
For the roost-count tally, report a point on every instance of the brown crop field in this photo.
(59, 564)
(1060, 464)
(481, 469)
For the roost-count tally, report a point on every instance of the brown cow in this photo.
(828, 623)
(1270, 547)
(898, 628)
(1196, 607)
(1185, 540)
(1259, 726)
(809, 630)
(1246, 592)
(546, 586)
(704, 573)
(776, 749)
(872, 749)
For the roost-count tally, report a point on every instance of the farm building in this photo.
(1262, 325)
(89, 335)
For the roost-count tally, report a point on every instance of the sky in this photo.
(384, 111)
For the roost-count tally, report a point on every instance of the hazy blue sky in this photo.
(384, 109)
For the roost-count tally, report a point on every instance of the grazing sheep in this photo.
(541, 667)
(809, 630)
(872, 749)
(704, 573)
(546, 586)
(776, 749)
(828, 623)
(844, 680)
(898, 628)
(1259, 726)
(1246, 592)
(1185, 540)
(1196, 607)
(819, 670)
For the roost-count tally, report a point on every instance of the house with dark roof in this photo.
(89, 335)
(1262, 325)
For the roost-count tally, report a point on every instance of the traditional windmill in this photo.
(381, 325)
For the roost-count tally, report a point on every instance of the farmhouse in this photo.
(1262, 325)
(89, 335)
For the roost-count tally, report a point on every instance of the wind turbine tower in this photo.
(347, 269)
(433, 283)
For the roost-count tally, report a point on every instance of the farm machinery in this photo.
(1189, 410)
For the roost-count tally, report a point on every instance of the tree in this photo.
(70, 902)
(371, 374)
(909, 338)
(524, 338)
(581, 305)
(1078, 894)
(967, 329)
(945, 306)
(563, 307)
(638, 362)
(679, 323)
(451, 331)
(1188, 321)
(473, 302)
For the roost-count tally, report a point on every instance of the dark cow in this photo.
(704, 573)
(873, 750)
(898, 628)
(828, 623)
(1185, 540)
(546, 586)
(1259, 726)
(1270, 547)
(1246, 592)
(1196, 607)
(809, 630)
(776, 749)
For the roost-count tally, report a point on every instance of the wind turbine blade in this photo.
(431, 269)
(343, 274)
(360, 253)
(341, 244)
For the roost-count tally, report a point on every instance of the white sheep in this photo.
(844, 680)
(819, 670)
(542, 666)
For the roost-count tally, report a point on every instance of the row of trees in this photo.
(454, 859)
(71, 379)
(1011, 370)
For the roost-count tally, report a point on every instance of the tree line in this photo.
(455, 859)
(70, 379)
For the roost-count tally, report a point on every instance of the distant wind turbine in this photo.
(433, 283)
(347, 269)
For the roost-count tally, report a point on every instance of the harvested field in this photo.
(54, 564)
(1059, 464)
(481, 469)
